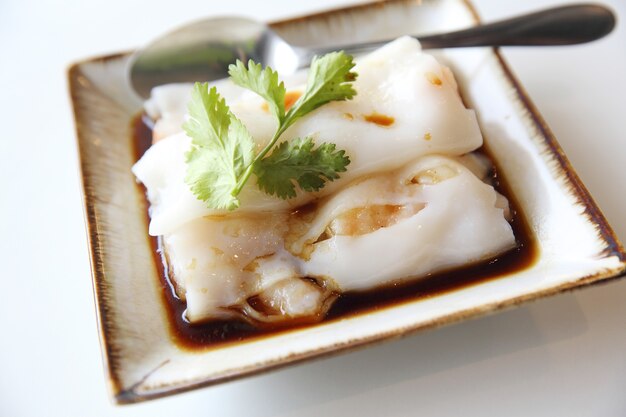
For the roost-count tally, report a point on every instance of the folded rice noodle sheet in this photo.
(415, 199)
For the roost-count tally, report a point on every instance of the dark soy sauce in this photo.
(214, 333)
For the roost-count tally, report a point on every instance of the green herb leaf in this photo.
(221, 149)
(264, 82)
(209, 116)
(299, 162)
(222, 157)
(330, 79)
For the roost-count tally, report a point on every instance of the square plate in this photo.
(576, 246)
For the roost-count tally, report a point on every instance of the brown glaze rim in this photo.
(592, 211)
(96, 260)
(130, 395)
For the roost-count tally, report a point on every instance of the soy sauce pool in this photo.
(218, 333)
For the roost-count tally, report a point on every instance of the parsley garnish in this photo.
(222, 157)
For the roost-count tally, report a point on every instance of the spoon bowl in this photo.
(203, 50)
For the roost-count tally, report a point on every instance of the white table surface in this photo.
(562, 356)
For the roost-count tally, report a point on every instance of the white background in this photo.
(563, 356)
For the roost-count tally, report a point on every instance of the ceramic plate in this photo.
(575, 245)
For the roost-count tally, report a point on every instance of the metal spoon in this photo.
(202, 51)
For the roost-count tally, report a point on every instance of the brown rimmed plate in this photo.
(576, 246)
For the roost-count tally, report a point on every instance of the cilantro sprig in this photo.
(222, 157)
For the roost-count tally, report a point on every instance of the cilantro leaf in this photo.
(330, 79)
(221, 150)
(299, 162)
(209, 116)
(222, 157)
(264, 82)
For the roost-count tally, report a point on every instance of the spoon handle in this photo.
(566, 25)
